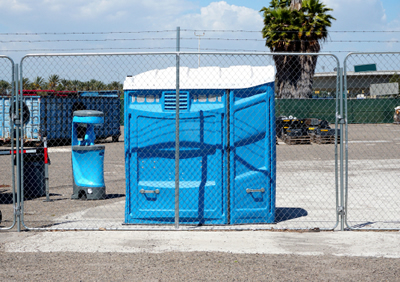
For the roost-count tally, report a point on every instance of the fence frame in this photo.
(346, 167)
(339, 121)
(15, 192)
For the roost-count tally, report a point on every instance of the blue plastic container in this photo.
(52, 115)
(87, 158)
(31, 129)
(205, 195)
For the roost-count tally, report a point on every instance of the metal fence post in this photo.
(177, 131)
(17, 123)
(341, 208)
(345, 134)
(12, 134)
(337, 118)
(46, 169)
(228, 155)
(21, 145)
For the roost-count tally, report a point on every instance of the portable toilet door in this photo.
(150, 151)
(252, 155)
(150, 168)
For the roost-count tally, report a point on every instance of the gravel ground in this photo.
(196, 266)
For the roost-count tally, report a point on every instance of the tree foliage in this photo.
(5, 87)
(54, 82)
(295, 26)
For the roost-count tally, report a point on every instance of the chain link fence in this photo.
(87, 184)
(372, 172)
(7, 182)
(99, 148)
(248, 158)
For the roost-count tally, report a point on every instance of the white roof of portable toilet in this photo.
(234, 77)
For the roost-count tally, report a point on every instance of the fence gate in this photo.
(8, 192)
(238, 166)
(373, 138)
(308, 167)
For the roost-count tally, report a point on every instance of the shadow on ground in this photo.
(283, 214)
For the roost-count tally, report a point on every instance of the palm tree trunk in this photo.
(295, 5)
(295, 76)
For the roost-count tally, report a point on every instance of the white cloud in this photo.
(357, 14)
(143, 15)
(15, 5)
(222, 16)
(360, 15)
(95, 9)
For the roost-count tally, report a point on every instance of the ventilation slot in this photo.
(170, 101)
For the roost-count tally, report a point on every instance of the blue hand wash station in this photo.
(87, 158)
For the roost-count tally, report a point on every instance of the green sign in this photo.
(360, 68)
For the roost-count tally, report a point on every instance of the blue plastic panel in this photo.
(252, 190)
(204, 193)
(31, 129)
(150, 166)
(88, 167)
(4, 118)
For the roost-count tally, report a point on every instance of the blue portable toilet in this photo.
(227, 120)
(87, 158)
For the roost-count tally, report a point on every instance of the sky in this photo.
(74, 26)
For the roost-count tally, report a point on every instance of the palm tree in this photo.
(53, 82)
(115, 85)
(26, 84)
(38, 83)
(5, 87)
(64, 84)
(295, 26)
(75, 85)
(98, 85)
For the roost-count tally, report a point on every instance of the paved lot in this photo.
(306, 193)
(306, 199)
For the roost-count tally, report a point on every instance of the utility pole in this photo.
(199, 36)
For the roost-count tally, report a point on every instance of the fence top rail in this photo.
(366, 53)
(370, 53)
(6, 57)
(174, 53)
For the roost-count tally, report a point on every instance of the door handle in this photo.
(262, 190)
(142, 191)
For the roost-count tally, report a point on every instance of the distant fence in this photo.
(358, 110)
(371, 110)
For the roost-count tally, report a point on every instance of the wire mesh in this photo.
(89, 194)
(372, 87)
(249, 158)
(7, 191)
